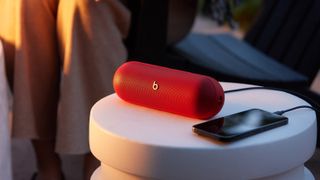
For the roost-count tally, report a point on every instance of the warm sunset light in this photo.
(159, 89)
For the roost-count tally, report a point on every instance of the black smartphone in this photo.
(240, 125)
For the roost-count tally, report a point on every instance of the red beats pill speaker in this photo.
(170, 90)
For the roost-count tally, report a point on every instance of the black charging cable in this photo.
(314, 106)
(294, 108)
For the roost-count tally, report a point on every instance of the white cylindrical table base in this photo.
(139, 142)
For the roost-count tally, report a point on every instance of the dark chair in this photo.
(279, 50)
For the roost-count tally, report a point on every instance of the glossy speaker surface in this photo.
(175, 91)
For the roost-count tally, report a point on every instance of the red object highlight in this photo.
(170, 90)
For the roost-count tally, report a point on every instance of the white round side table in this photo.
(134, 142)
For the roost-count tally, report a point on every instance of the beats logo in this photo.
(155, 86)
(170, 90)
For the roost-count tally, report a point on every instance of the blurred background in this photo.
(208, 17)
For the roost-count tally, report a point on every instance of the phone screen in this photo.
(240, 125)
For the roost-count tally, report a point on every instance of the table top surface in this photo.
(148, 126)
